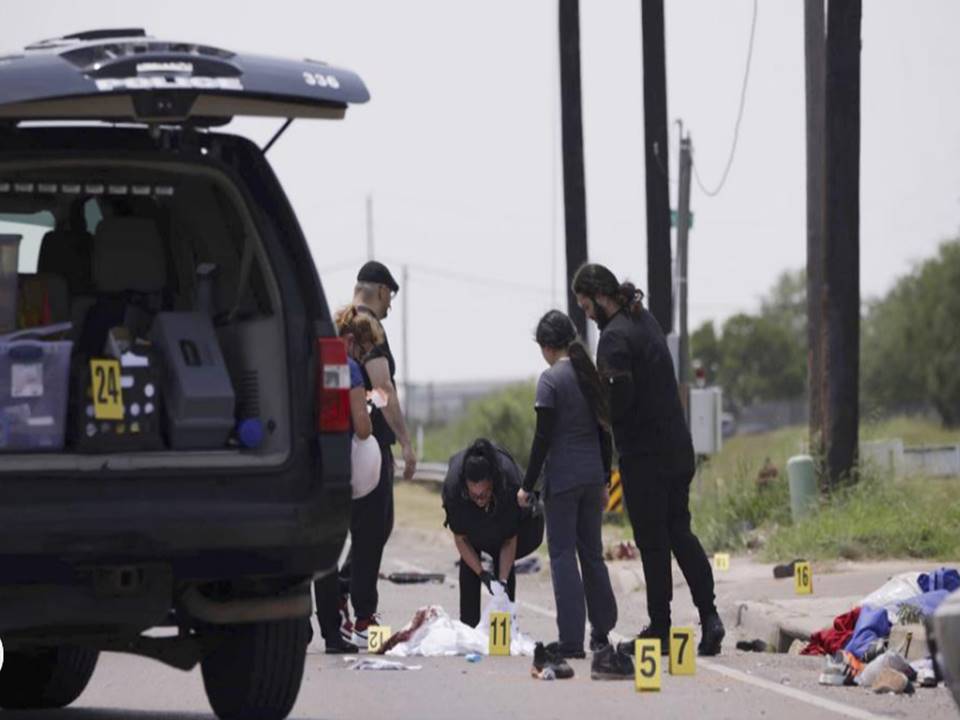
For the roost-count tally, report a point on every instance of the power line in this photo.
(736, 127)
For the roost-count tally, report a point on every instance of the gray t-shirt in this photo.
(574, 458)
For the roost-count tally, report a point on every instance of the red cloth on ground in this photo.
(829, 641)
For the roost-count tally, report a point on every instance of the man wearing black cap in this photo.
(373, 295)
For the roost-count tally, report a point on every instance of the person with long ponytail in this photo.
(657, 461)
(572, 446)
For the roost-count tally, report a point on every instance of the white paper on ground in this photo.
(440, 635)
(371, 664)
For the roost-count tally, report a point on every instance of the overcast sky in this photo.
(459, 147)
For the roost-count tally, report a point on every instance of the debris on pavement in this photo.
(474, 657)
(624, 550)
(433, 633)
(753, 646)
(786, 570)
(528, 565)
(372, 664)
(414, 578)
(881, 644)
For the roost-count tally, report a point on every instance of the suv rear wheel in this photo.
(255, 671)
(45, 678)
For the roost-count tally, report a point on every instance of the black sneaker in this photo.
(711, 636)
(611, 664)
(339, 646)
(598, 642)
(628, 647)
(547, 664)
(565, 651)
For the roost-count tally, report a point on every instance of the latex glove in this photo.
(487, 580)
(523, 498)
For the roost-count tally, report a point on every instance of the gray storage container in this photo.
(199, 398)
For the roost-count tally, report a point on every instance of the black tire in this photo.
(255, 671)
(45, 678)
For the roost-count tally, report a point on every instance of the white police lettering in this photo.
(321, 80)
(169, 83)
(165, 67)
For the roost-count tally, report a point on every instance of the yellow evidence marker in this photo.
(377, 636)
(107, 394)
(803, 578)
(683, 659)
(648, 664)
(500, 633)
(721, 562)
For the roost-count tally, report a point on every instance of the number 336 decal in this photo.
(321, 80)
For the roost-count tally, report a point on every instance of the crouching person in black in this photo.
(480, 500)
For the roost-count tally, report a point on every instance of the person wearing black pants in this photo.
(656, 452)
(480, 501)
(571, 439)
(529, 538)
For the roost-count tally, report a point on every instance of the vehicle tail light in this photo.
(333, 386)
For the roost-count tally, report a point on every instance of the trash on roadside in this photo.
(415, 578)
(888, 660)
(891, 681)
(624, 550)
(545, 674)
(528, 565)
(753, 646)
(840, 668)
(831, 640)
(433, 633)
(474, 657)
(786, 570)
(371, 664)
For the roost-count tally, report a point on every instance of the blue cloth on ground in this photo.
(943, 579)
(872, 624)
(928, 602)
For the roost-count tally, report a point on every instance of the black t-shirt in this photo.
(381, 428)
(485, 528)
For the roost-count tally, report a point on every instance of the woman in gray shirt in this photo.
(572, 445)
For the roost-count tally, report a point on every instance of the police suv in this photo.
(174, 417)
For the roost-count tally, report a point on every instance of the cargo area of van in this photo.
(141, 325)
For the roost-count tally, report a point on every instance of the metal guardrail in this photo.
(427, 473)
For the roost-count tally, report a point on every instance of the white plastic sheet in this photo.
(437, 634)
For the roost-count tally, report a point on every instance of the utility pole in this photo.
(841, 258)
(574, 184)
(369, 226)
(814, 52)
(683, 236)
(659, 268)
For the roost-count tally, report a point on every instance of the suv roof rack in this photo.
(106, 34)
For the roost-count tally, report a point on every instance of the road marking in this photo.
(789, 692)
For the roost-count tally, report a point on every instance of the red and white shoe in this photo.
(360, 636)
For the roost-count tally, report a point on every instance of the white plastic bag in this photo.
(365, 461)
(893, 592)
(520, 644)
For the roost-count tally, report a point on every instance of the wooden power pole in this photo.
(841, 258)
(814, 51)
(659, 265)
(574, 184)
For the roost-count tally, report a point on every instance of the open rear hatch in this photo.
(126, 76)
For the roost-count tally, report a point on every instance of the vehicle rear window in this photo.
(31, 227)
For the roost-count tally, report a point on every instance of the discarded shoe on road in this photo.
(547, 665)
(610, 664)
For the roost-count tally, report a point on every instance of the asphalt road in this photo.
(735, 685)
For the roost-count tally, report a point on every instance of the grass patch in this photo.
(878, 518)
